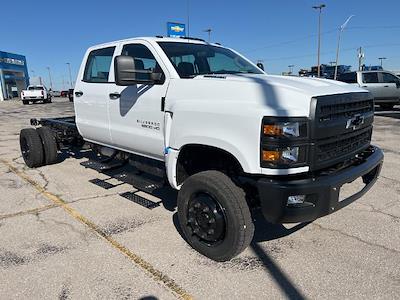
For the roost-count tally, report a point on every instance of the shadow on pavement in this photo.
(285, 284)
(265, 231)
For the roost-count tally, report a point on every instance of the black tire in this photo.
(49, 145)
(25, 102)
(31, 147)
(387, 106)
(231, 210)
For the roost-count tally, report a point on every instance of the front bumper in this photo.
(322, 191)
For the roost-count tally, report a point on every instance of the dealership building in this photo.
(13, 75)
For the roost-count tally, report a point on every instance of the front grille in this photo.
(335, 149)
(335, 140)
(331, 112)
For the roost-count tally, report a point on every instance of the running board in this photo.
(134, 197)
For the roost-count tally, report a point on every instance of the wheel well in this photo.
(195, 158)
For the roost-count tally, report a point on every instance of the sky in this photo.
(280, 33)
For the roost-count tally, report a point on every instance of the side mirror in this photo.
(260, 65)
(126, 73)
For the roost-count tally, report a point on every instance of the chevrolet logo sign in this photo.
(177, 28)
(355, 122)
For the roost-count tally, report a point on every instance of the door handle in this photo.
(114, 96)
(364, 86)
(386, 86)
(78, 94)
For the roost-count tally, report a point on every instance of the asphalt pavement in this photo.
(66, 232)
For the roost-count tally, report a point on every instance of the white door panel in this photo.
(136, 119)
(92, 111)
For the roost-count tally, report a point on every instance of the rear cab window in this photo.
(370, 77)
(35, 88)
(98, 65)
(348, 77)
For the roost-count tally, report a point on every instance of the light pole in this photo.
(338, 44)
(381, 59)
(70, 77)
(319, 7)
(51, 83)
(209, 33)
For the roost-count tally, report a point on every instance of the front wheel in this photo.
(25, 102)
(214, 216)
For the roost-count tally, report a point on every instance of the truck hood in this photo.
(267, 94)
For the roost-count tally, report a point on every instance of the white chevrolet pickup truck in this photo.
(230, 138)
(35, 93)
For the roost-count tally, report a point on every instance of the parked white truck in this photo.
(35, 93)
(229, 137)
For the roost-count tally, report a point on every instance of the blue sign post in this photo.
(176, 29)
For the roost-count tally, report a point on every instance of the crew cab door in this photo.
(136, 118)
(91, 96)
(391, 86)
(370, 81)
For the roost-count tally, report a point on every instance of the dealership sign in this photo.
(176, 29)
(12, 61)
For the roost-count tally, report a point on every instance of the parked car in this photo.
(229, 137)
(71, 95)
(55, 93)
(383, 85)
(64, 93)
(35, 93)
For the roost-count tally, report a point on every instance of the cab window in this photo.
(98, 65)
(144, 60)
(370, 77)
(389, 78)
(348, 77)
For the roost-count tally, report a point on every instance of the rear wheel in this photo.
(387, 106)
(49, 145)
(214, 215)
(25, 102)
(31, 147)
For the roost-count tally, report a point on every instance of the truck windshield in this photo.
(191, 60)
(35, 88)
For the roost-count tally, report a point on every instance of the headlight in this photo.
(284, 142)
(284, 129)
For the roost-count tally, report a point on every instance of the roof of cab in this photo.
(156, 39)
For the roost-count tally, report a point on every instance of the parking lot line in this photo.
(155, 274)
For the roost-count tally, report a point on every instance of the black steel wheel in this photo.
(49, 145)
(206, 218)
(31, 147)
(214, 216)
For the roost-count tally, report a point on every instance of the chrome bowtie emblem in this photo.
(355, 121)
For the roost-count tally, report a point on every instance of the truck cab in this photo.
(383, 85)
(229, 137)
